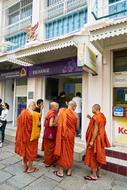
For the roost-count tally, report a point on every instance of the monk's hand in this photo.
(88, 116)
(90, 145)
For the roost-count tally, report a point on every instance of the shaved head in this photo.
(54, 105)
(72, 105)
(96, 108)
(32, 105)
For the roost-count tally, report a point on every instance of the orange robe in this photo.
(23, 145)
(48, 145)
(64, 150)
(96, 156)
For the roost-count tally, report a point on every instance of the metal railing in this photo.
(112, 10)
(17, 27)
(60, 8)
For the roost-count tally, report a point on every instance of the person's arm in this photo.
(53, 122)
(3, 115)
(95, 133)
(88, 116)
(41, 109)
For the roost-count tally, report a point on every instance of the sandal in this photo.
(57, 174)
(90, 177)
(32, 170)
(25, 169)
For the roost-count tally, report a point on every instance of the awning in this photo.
(48, 50)
(107, 29)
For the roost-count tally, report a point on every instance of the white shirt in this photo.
(78, 101)
(4, 115)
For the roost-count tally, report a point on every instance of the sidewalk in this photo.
(12, 177)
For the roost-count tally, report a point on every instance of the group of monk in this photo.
(60, 127)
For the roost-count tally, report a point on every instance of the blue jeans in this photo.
(80, 117)
(2, 131)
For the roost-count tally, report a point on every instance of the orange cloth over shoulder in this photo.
(23, 146)
(35, 126)
(64, 149)
(96, 156)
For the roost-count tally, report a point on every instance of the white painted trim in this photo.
(116, 161)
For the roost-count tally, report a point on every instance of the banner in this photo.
(86, 59)
(120, 130)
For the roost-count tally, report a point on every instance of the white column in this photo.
(2, 89)
(1, 19)
(42, 9)
(35, 11)
(37, 17)
(107, 91)
(31, 84)
(84, 104)
(91, 7)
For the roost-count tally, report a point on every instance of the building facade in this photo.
(47, 47)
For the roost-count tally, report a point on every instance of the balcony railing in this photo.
(60, 8)
(17, 27)
(111, 10)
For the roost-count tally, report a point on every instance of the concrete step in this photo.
(79, 149)
(117, 160)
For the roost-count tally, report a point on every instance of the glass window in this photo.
(120, 95)
(120, 61)
(19, 11)
(14, 18)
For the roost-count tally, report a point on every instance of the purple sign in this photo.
(17, 73)
(59, 67)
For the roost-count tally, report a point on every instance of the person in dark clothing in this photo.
(1, 108)
(38, 108)
(39, 105)
(62, 100)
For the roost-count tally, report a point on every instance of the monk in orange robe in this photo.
(26, 146)
(49, 137)
(96, 141)
(64, 150)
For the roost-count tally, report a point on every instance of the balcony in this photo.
(113, 10)
(59, 8)
(17, 27)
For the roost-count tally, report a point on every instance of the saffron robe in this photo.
(64, 149)
(24, 146)
(96, 155)
(48, 145)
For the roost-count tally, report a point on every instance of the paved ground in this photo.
(12, 177)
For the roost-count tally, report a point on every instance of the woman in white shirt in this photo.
(3, 122)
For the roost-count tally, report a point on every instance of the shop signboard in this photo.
(120, 79)
(120, 130)
(64, 66)
(87, 58)
(18, 73)
(59, 67)
(118, 111)
(90, 60)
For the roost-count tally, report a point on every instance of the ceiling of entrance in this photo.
(52, 55)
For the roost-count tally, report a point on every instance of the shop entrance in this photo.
(70, 84)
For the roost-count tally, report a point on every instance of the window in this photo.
(120, 61)
(118, 8)
(19, 11)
